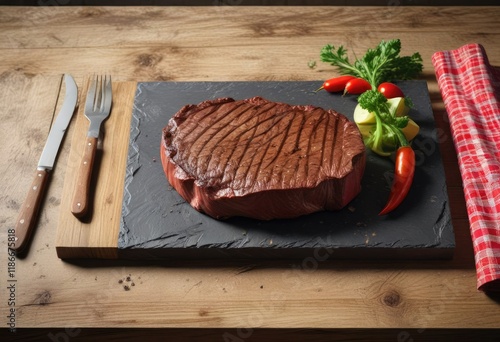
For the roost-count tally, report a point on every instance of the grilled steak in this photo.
(262, 159)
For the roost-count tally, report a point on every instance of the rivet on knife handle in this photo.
(28, 216)
(29, 210)
(80, 204)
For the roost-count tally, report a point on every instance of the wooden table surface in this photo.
(238, 300)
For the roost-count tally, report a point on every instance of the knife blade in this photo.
(28, 215)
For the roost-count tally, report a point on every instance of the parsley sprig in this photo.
(388, 126)
(381, 64)
(378, 65)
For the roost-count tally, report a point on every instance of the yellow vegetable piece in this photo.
(411, 130)
(365, 120)
(398, 106)
(363, 117)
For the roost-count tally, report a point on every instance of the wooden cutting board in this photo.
(97, 235)
(137, 215)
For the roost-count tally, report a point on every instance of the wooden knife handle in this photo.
(80, 204)
(29, 210)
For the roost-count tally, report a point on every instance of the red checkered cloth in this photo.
(470, 88)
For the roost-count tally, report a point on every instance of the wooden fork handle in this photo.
(80, 204)
(28, 215)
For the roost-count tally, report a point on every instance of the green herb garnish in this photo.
(378, 65)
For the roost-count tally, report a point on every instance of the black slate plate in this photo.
(158, 223)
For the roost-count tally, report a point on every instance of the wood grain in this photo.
(237, 298)
(27, 109)
(257, 2)
(159, 42)
(77, 237)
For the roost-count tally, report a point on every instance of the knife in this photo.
(27, 218)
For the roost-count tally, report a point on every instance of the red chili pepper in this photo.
(336, 84)
(403, 177)
(357, 86)
(390, 90)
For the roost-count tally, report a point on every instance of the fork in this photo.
(97, 109)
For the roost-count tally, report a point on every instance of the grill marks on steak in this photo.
(227, 147)
(224, 155)
(264, 137)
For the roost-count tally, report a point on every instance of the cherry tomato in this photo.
(390, 90)
(357, 86)
(336, 84)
